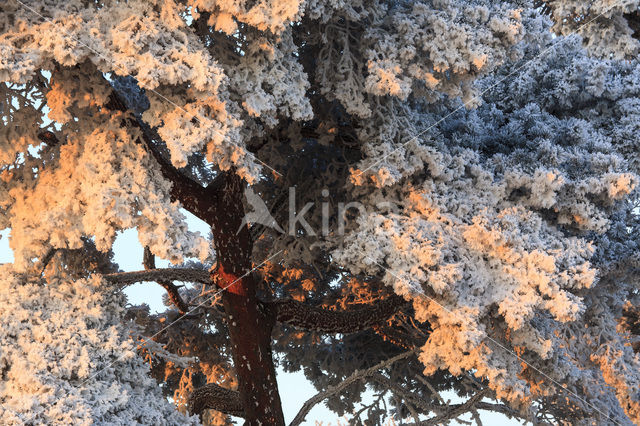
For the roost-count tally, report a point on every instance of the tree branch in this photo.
(398, 338)
(149, 262)
(46, 259)
(288, 311)
(499, 408)
(214, 397)
(300, 315)
(403, 393)
(48, 138)
(456, 410)
(193, 196)
(161, 274)
(331, 390)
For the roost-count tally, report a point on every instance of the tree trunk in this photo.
(249, 327)
(221, 206)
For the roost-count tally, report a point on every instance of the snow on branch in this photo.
(191, 194)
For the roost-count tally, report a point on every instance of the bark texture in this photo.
(212, 396)
(249, 326)
(350, 320)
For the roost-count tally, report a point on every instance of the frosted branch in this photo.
(47, 259)
(332, 390)
(193, 196)
(457, 410)
(403, 393)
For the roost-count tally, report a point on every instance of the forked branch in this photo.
(193, 196)
(457, 410)
(149, 262)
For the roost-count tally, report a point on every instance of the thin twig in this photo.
(332, 390)
(457, 410)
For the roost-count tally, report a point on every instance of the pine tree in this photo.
(412, 196)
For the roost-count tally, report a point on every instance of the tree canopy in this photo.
(414, 197)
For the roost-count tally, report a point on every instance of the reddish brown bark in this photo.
(249, 327)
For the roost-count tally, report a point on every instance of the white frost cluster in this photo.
(443, 45)
(427, 48)
(66, 357)
(270, 82)
(491, 233)
(265, 15)
(458, 260)
(148, 40)
(605, 26)
(101, 182)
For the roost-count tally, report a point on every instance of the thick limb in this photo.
(212, 396)
(351, 320)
